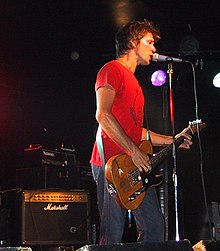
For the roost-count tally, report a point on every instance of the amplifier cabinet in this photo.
(48, 177)
(54, 217)
(15, 249)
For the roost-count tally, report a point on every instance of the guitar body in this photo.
(125, 179)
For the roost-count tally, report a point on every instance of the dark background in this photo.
(50, 52)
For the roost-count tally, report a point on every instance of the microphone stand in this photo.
(175, 181)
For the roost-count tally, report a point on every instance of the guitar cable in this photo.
(201, 153)
(129, 218)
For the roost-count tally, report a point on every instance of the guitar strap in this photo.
(147, 125)
(106, 207)
(100, 146)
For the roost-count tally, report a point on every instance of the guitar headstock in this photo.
(196, 125)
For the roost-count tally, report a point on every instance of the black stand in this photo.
(175, 180)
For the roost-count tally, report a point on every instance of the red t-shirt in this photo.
(128, 107)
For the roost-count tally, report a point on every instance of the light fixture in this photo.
(158, 77)
(216, 80)
(189, 45)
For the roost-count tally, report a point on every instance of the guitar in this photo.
(127, 184)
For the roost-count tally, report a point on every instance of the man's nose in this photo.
(154, 49)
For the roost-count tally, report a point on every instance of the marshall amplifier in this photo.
(58, 157)
(35, 156)
(53, 217)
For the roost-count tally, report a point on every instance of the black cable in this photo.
(200, 149)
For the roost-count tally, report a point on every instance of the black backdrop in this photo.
(50, 52)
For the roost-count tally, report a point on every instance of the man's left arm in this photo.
(163, 140)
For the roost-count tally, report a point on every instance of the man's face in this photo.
(145, 49)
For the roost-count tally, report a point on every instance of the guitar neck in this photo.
(167, 151)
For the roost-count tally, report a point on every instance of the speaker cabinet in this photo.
(48, 177)
(54, 217)
(15, 249)
(140, 246)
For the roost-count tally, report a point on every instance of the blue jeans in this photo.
(148, 216)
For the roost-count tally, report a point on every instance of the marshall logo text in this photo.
(51, 207)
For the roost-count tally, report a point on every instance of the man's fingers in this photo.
(145, 168)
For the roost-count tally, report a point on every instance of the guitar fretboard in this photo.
(165, 152)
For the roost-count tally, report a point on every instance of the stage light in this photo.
(189, 45)
(74, 55)
(211, 70)
(158, 78)
(216, 80)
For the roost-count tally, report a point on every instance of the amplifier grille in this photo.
(53, 196)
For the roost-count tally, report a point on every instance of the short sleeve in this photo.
(110, 74)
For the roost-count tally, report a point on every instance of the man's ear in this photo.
(133, 44)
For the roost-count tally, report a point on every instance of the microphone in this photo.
(162, 58)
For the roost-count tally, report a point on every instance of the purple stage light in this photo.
(158, 78)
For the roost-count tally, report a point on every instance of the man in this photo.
(120, 112)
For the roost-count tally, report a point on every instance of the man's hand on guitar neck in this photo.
(187, 139)
(142, 161)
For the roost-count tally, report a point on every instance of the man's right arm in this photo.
(105, 98)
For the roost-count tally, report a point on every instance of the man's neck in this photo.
(128, 61)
